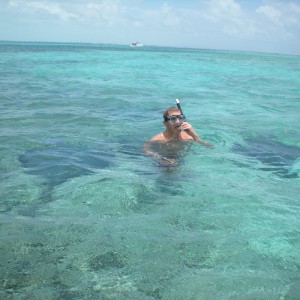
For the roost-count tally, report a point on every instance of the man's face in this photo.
(175, 120)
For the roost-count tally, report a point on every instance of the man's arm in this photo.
(148, 151)
(188, 128)
(160, 158)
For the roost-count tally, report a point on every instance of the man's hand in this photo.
(188, 128)
(170, 162)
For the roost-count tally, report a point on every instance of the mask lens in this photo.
(173, 118)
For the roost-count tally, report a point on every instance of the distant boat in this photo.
(136, 44)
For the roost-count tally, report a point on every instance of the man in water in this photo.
(177, 129)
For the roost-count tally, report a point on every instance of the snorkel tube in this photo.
(179, 107)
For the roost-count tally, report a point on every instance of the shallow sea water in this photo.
(86, 215)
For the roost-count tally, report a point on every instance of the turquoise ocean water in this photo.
(86, 215)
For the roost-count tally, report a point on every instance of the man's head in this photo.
(173, 118)
(170, 111)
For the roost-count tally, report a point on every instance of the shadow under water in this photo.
(277, 157)
(59, 163)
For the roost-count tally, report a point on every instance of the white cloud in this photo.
(281, 13)
(220, 10)
(230, 18)
(161, 16)
(270, 12)
(108, 12)
(104, 12)
(33, 7)
(280, 21)
(170, 17)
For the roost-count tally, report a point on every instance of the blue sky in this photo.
(249, 25)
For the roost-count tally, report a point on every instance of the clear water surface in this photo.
(86, 215)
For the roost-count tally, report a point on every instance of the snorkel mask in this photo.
(174, 118)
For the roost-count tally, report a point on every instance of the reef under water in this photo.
(276, 156)
(58, 163)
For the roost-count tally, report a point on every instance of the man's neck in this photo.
(172, 136)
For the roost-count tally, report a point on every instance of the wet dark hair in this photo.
(168, 110)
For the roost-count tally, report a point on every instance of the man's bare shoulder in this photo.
(159, 137)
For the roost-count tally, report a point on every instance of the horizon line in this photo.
(148, 45)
